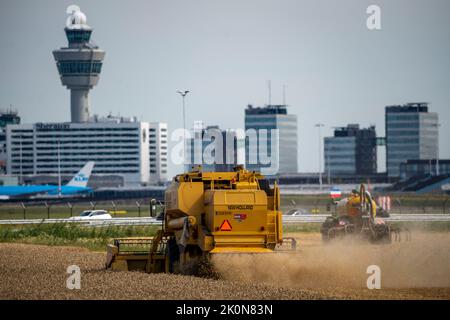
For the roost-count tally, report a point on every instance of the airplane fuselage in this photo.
(26, 191)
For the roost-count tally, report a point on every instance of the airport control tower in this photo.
(79, 65)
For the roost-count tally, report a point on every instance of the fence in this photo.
(46, 210)
(401, 204)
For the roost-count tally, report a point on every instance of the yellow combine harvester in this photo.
(206, 213)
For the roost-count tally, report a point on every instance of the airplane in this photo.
(76, 186)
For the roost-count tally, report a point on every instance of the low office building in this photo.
(118, 148)
(430, 167)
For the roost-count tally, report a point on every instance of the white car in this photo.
(297, 212)
(92, 214)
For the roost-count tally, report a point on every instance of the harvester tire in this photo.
(325, 229)
(382, 234)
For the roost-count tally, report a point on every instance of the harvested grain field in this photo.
(419, 269)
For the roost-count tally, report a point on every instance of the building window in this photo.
(78, 36)
(70, 67)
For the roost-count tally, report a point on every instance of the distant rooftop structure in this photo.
(409, 107)
(112, 119)
(9, 111)
(351, 130)
(268, 109)
(8, 116)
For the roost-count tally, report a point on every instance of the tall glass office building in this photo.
(411, 134)
(284, 150)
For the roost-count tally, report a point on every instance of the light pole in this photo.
(319, 126)
(183, 95)
(437, 149)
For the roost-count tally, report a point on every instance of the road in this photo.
(306, 218)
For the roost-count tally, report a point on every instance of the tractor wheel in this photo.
(325, 237)
(381, 235)
(325, 229)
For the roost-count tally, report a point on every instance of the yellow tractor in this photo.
(357, 215)
(206, 213)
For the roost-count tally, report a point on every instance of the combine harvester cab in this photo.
(207, 213)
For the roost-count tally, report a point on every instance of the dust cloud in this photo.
(423, 262)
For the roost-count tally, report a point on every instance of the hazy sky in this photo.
(336, 70)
